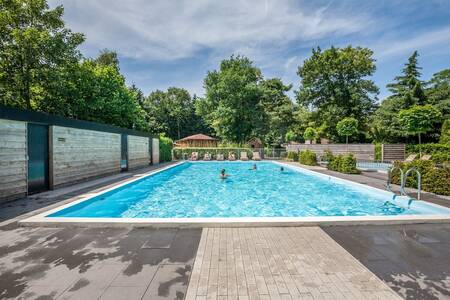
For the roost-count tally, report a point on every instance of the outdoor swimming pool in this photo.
(194, 190)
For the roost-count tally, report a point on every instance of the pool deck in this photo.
(340, 262)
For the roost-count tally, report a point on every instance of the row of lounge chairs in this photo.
(220, 156)
(412, 157)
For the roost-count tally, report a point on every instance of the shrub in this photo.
(435, 180)
(428, 148)
(342, 163)
(308, 157)
(347, 164)
(327, 156)
(165, 149)
(445, 133)
(378, 152)
(292, 155)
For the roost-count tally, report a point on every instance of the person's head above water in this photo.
(222, 171)
(281, 169)
(254, 166)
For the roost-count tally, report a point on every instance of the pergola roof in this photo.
(197, 137)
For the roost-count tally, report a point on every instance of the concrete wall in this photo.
(13, 159)
(361, 151)
(80, 154)
(138, 152)
(155, 151)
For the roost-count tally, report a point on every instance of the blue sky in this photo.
(174, 43)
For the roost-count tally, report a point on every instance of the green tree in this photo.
(232, 100)
(438, 92)
(335, 84)
(310, 134)
(347, 127)
(173, 113)
(278, 111)
(35, 48)
(407, 90)
(419, 119)
(108, 58)
(404, 84)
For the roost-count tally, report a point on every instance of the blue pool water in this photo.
(194, 190)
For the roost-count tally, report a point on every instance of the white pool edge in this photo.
(41, 219)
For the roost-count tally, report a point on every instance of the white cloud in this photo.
(167, 30)
(398, 46)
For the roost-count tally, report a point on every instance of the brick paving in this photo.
(279, 263)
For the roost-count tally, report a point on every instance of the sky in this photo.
(163, 43)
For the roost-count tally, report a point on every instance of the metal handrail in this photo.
(419, 181)
(388, 184)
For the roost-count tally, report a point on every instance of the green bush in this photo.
(347, 164)
(181, 153)
(377, 152)
(434, 180)
(428, 148)
(342, 163)
(292, 155)
(445, 133)
(165, 149)
(327, 156)
(308, 157)
(440, 153)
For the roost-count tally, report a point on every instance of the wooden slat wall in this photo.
(361, 151)
(138, 155)
(79, 154)
(155, 151)
(392, 152)
(13, 159)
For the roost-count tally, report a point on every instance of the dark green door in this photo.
(37, 158)
(124, 152)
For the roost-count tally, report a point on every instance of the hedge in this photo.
(181, 153)
(440, 153)
(292, 156)
(434, 179)
(342, 163)
(165, 149)
(308, 157)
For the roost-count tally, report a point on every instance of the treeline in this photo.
(42, 69)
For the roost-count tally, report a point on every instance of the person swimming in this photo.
(223, 175)
(253, 167)
(281, 169)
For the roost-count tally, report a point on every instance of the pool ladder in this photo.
(403, 177)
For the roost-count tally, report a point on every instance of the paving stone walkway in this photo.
(96, 263)
(279, 263)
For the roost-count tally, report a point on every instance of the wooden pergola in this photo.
(197, 141)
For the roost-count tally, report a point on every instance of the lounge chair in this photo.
(426, 157)
(207, 156)
(231, 156)
(244, 155)
(219, 156)
(256, 156)
(194, 156)
(411, 157)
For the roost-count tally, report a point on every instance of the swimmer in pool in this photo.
(253, 167)
(281, 169)
(223, 175)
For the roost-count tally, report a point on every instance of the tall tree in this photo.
(108, 58)
(35, 47)
(173, 113)
(405, 83)
(232, 102)
(335, 84)
(278, 111)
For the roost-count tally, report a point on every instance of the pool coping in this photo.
(43, 221)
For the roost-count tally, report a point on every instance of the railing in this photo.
(419, 180)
